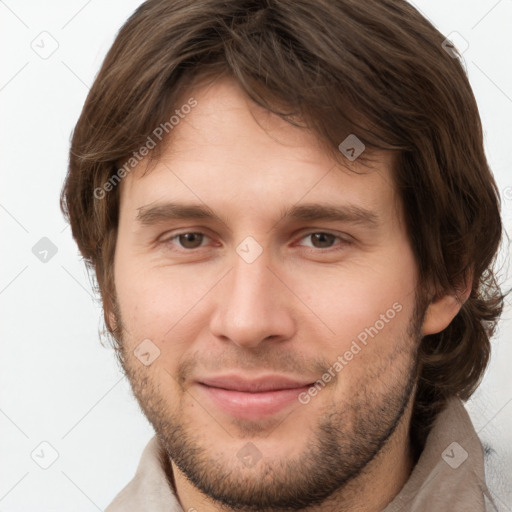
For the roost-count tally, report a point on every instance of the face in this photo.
(266, 302)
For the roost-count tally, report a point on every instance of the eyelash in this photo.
(343, 241)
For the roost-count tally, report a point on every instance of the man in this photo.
(292, 222)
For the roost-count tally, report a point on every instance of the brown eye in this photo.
(190, 240)
(322, 240)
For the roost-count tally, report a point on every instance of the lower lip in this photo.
(252, 406)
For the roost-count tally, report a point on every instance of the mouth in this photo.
(252, 399)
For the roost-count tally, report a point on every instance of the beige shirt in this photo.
(449, 475)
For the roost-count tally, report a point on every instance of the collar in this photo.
(449, 475)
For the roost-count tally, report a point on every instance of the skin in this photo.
(292, 311)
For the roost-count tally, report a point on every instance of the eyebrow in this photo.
(159, 213)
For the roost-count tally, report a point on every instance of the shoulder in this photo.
(498, 475)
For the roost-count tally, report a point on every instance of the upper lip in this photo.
(260, 384)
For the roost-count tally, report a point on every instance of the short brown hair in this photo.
(377, 69)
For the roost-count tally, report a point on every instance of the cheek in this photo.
(373, 300)
(159, 303)
(367, 344)
(139, 300)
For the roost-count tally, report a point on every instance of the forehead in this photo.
(227, 150)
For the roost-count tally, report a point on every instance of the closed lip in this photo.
(257, 385)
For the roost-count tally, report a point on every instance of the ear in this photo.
(111, 321)
(109, 307)
(444, 307)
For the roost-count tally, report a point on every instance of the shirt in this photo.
(448, 476)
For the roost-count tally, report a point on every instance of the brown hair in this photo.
(377, 69)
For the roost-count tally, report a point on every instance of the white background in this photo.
(57, 382)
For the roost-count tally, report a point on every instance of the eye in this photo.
(188, 240)
(324, 240)
(191, 240)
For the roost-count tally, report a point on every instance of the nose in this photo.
(253, 305)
